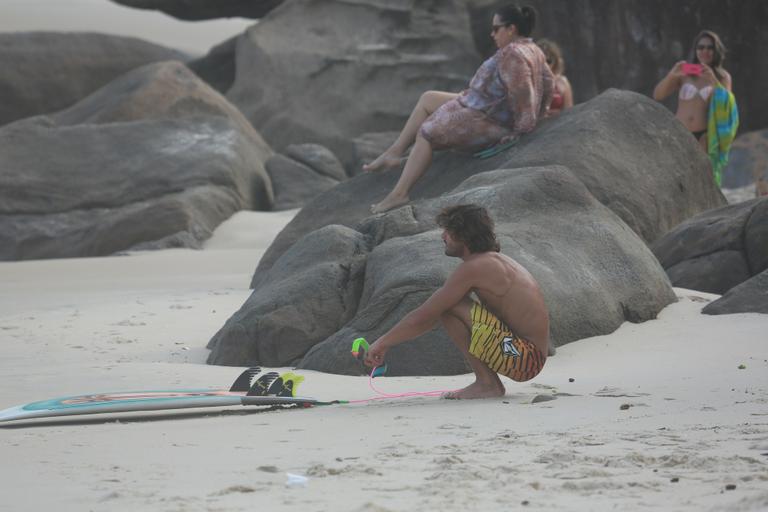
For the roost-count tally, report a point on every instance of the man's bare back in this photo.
(510, 292)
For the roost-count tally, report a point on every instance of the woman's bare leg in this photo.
(428, 103)
(417, 163)
(487, 383)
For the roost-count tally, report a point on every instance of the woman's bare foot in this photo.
(386, 160)
(389, 202)
(476, 390)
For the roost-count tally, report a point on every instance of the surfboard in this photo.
(250, 389)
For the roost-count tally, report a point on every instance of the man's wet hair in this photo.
(471, 224)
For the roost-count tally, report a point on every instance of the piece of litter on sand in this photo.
(296, 480)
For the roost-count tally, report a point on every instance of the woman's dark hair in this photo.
(718, 55)
(470, 224)
(524, 18)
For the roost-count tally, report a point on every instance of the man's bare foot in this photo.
(386, 160)
(389, 203)
(476, 390)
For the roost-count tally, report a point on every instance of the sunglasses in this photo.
(705, 47)
(496, 28)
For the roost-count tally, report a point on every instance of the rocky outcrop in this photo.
(217, 67)
(154, 159)
(748, 162)
(338, 283)
(194, 10)
(303, 172)
(718, 249)
(564, 198)
(628, 150)
(751, 296)
(44, 72)
(632, 44)
(324, 72)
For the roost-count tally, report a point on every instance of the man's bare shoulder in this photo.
(489, 263)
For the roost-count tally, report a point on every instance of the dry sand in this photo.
(658, 415)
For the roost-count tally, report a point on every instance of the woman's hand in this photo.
(677, 70)
(375, 355)
(709, 75)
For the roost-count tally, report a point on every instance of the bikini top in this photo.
(689, 91)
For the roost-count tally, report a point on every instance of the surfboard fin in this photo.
(245, 380)
(285, 385)
(262, 384)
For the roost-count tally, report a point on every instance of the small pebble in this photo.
(742, 367)
(571, 379)
(524, 502)
(730, 487)
(624, 407)
(674, 480)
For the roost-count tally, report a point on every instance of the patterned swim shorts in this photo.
(498, 347)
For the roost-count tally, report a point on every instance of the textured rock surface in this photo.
(748, 162)
(751, 296)
(328, 71)
(154, 159)
(294, 183)
(629, 151)
(718, 249)
(44, 72)
(324, 291)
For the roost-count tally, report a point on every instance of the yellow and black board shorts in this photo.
(498, 347)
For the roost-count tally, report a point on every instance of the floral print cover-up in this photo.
(507, 96)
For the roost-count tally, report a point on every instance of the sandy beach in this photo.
(667, 415)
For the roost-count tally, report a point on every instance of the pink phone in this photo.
(691, 69)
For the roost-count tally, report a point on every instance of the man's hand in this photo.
(375, 355)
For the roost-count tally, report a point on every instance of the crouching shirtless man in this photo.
(506, 333)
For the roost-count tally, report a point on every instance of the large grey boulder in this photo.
(217, 67)
(751, 296)
(154, 159)
(717, 249)
(327, 71)
(195, 10)
(294, 183)
(44, 72)
(628, 150)
(595, 273)
(748, 162)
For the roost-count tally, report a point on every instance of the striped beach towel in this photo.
(722, 123)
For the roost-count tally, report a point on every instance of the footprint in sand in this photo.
(609, 392)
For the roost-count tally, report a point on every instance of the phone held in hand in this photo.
(691, 69)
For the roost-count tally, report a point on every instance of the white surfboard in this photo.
(244, 392)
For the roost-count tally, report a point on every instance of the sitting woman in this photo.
(695, 82)
(562, 94)
(506, 97)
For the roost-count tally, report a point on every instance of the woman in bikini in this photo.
(562, 94)
(509, 93)
(695, 84)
